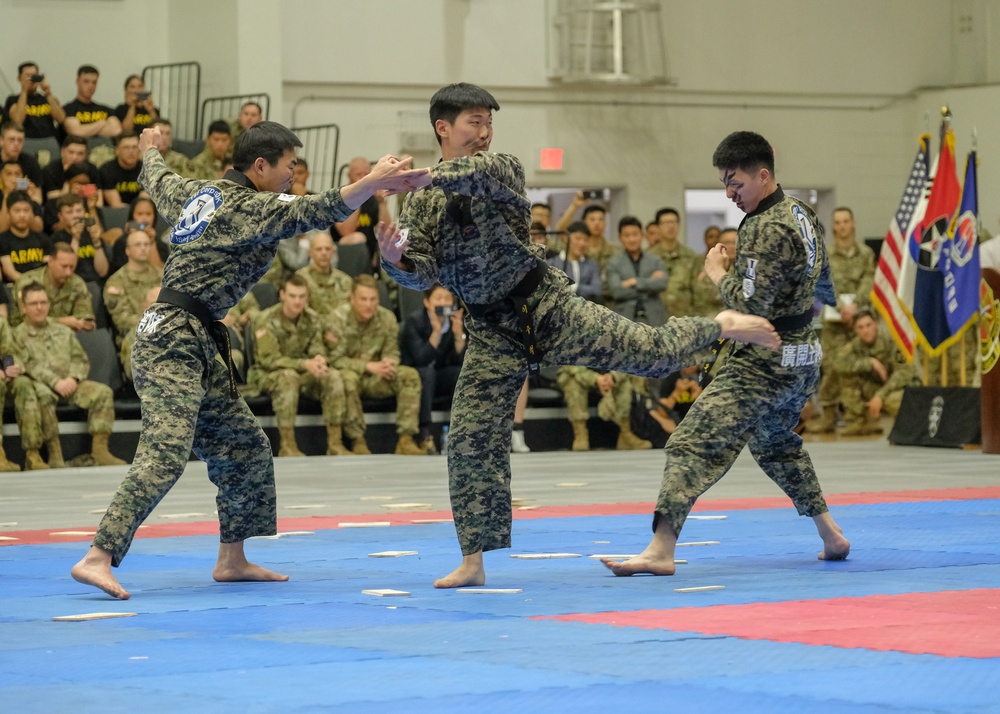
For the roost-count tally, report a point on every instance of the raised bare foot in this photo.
(98, 574)
(835, 547)
(641, 563)
(748, 328)
(245, 572)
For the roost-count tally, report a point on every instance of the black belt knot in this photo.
(217, 330)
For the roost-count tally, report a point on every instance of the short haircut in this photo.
(651, 223)
(161, 121)
(33, 287)
(729, 229)
(70, 140)
(450, 101)
(629, 221)
(81, 168)
(5, 164)
(87, 69)
(253, 104)
(744, 150)
(363, 281)
(130, 78)
(593, 208)
(303, 163)
(70, 199)
(430, 291)
(18, 197)
(9, 126)
(267, 140)
(578, 227)
(863, 312)
(61, 246)
(537, 227)
(125, 135)
(21, 67)
(844, 208)
(219, 126)
(666, 211)
(296, 280)
(546, 206)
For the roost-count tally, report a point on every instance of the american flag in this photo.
(885, 293)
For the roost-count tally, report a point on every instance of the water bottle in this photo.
(444, 440)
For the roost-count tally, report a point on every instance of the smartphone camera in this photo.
(88, 221)
(444, 310)
(37, 77)
(593, 194)
(21, 184)
(141, 96)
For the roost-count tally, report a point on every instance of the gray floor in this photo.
(354, 485)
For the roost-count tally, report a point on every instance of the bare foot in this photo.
(835, 547)
(95, 570)
(470, 572)
(748, 328)
(641, 563)
(248, 572)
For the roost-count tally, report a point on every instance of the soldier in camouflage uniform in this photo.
(705, 295)
(15, 384)
(873, 374)
(291, 359)
(175, 160)
(126, 288)
(363, 343)
(852, 265)
(615, 406)
(69, 299)
(681, 263)
(224, 238)
(470, 233)
(329, 288)
(58, 367)
(209, 164)
(780, 268)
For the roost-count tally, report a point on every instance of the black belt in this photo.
(517, 301)
(788, 323)
(218, 331)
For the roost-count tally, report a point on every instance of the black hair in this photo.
(18, 197)
(546, 206)
(81, 168)
(592, 208)
(744, 150)
(87, 69)
(665, 211)
(629, 221)
(219, 126)
(130, 78)
(267, 140)
(302, 162)
(124, 135)
(70, 139)
(430, 291)
(33, 287)
(142, 199)
(450, 101)
(578, 227)
(20, 67)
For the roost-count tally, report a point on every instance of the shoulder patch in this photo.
(808, 235)
(196, 215)
(286, 197)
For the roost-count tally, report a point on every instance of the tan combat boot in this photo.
(99, 450)
(55, 453)
(861, 426)
(33, 461)
(581, 437)
(408, 447)
(628, 441)
(361, 446)
(288, 445)
(6, 465)
(335, 441)
(825, 423)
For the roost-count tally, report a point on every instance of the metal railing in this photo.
(176, 89)
(320, 148)
(228, 108)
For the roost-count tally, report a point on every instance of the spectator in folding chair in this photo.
(69, 299)
(16, 387)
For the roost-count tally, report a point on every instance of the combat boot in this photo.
(6, 465)
(360, 447)
(288, 445)
(335, 441)
(628, 441)
(825, 423)
(55, 453)
(581, 437)
(99, 450)
(862, 426)
(406, 446)
(33, 461)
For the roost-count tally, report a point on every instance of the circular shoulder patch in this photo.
(196, 215)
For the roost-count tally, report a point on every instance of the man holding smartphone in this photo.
(34, 107)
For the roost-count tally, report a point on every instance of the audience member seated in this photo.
(119, 179)
(707, 300)
(873, 374)
(542, 213)
(73, 151)
(80, 181)
(12, 149)
(210, 163)
(126, 289)
(291, 360)
(175, 160)
(17, 389)
(34, 107)
(58, 367)
(84, 116)
(364, 345)
(359, 227)
(678, 392)
(250, 113)
(539, 237)
(143, 216)
(585, 273)
(69, 300)
(329, 288)
(125, 353)
(636, 278)
(138, 111)
(615, 406)
(21, 249)
(300, 178)
(12, 181)
(433, 342)
(83, 232)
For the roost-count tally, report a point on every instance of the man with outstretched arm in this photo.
(469, 232)
(225, 235)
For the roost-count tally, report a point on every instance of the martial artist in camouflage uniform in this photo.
(225, 235)
(58, 367)
(780, 268)
(291, 359)
(29, 419)
(126, 288)
(864, 391)
(470, 233)
(363, 343)
(69, 299)
(329, 288)
(615, 406)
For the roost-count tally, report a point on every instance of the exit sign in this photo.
(551, 160)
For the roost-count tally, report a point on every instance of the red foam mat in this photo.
(951, 623)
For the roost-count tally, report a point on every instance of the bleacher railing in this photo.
(228, 108)
(320, 148)
(176, 90)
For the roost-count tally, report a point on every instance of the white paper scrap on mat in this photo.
(287, 533)
(366, 524)
(707, 518)
(181, 515)
(11, 524)
(92, 616)
(544, 556)
(73, 533)
(386, 592)
(392, 554)
(700, 542)
(377, 498)
(407, 506)
(306, 506)
(7, 538)
(425, 521)
(491, 591)
(572, 484)
(700, 589)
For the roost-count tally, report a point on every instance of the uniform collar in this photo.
(768, 202)
(240, 178)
